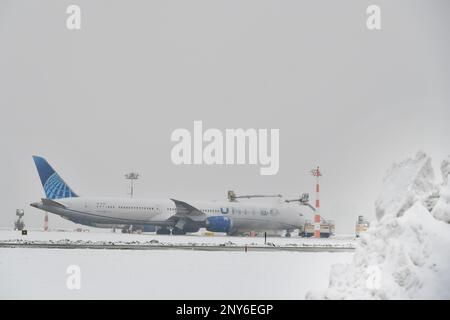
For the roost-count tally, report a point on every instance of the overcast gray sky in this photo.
(104, 100)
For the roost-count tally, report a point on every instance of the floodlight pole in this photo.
(132, 176)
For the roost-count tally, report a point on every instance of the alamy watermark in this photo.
(236, 146)
(373, 21)
(73, 21)
(73, 281)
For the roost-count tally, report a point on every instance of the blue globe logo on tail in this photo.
(54, 186)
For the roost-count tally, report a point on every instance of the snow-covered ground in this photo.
(118, 238)
(164, 274)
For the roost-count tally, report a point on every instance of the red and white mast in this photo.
(316, 173)
(46, 222)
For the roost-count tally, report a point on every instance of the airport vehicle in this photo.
(326, 229)
(19, 224)
(168, 215)
(361, 226)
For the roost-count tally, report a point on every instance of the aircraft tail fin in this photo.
(54, 186)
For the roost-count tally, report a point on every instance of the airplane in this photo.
(167, 216)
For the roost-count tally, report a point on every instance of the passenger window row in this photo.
(105, 206)
(137, 208)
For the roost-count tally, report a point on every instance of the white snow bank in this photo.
(404, 257)
(445, 169)
(441, 210)
(405, 254)
(441, 206)
(405, 183)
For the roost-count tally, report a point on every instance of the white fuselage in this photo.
(107, 212)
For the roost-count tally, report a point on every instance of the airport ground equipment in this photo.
(232, 196)
(19, 224)
(327, 228)
(302, 200)
(361, 225)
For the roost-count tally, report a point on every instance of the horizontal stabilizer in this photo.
(51, 203)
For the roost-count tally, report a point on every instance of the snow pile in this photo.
(405, 254)
(399, 258)
(445, 169)
(404, 184)
(441, 210)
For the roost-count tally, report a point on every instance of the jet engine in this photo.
(219, 224)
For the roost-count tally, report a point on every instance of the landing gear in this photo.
(126, 229)
(163, 230)
(176, 231)
(136, 229)
(288, 234)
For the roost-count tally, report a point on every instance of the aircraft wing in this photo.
(185, 210)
